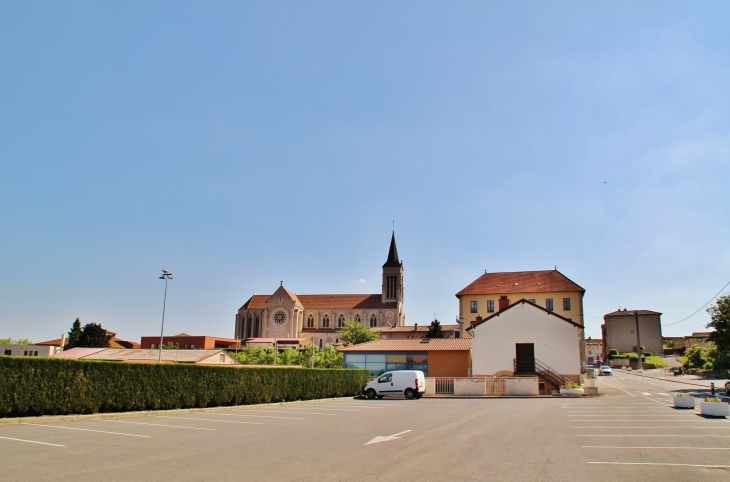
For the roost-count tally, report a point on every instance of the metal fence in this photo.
(444, 386)
(496, 386)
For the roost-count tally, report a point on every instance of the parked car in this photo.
(408, 383)
(606, 370)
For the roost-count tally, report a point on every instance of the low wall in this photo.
(470, 387)
(522, 386)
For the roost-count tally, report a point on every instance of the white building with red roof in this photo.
(285, 314)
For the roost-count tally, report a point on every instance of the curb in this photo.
(147, 413)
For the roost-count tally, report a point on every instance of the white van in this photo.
(409, 383)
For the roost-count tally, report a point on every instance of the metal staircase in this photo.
(543, 372)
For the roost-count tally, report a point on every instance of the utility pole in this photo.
(312, 351)
(165, 275)
(638, 341)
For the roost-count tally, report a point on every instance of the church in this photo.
(284, 314)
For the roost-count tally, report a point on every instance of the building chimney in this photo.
(479, 319)
(503, 302)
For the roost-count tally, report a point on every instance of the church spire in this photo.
(393, 261)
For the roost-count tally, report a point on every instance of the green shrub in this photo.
(49, 386)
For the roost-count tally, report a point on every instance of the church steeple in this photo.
(393, 279)
(393, 261)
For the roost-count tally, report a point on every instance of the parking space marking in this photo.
(86, 430)
(31, 441)
(287, 411)
(666, 418)
(658, 428)
(652, 435)
(667, 448)
(258, 416)
(157, 424)
(211, 420)
(619, 388)
(662, 463)
(330, 409)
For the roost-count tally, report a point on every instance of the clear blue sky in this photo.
(238, 144)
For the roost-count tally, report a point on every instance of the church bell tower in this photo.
(393, 278)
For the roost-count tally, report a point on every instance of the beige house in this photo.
(28, 350)
(593, 350)
(550, 289)
(619, 331)
(697, 338)
(285, 314)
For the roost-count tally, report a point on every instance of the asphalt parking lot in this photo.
(630, 431)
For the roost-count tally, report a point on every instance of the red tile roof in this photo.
(520, 282)
(324, 302)
(435, 344)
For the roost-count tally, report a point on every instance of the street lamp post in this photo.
(165, 275)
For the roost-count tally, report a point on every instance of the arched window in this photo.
(357, 317)
(256, 327)
(249, 327)
(341, 321)
(373, 321)
(325, 324)
(320, 343)
(337, 340)
(310, 321)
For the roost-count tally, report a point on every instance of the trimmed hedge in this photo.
(49, 386)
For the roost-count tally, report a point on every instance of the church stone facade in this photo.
(319, 317)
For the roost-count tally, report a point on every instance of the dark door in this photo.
(525, 359)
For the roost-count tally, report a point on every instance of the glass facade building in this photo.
(379, 363)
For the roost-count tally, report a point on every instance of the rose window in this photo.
(279, 317)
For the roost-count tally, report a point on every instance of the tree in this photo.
(696, 357)
(720, 322)
(94, 336)
(9, 341)
(74, 335)
(434, 331)
(671, 344)
(171, 346)
(354, 332)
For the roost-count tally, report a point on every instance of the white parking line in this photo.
(31, 441)
(86, 430)
(693, 420)
(661, 463)
(258, 416)
(157, 424)
(683, 435)
(663, 448)
(655, 413)
(684, 427)
(211, 420)
(287, 411)
(330, 409)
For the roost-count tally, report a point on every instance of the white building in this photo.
(28, 350)
(525, 338)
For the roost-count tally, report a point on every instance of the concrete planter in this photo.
(571, 392)
(590, 383)
(712, 409)
(684, 402)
